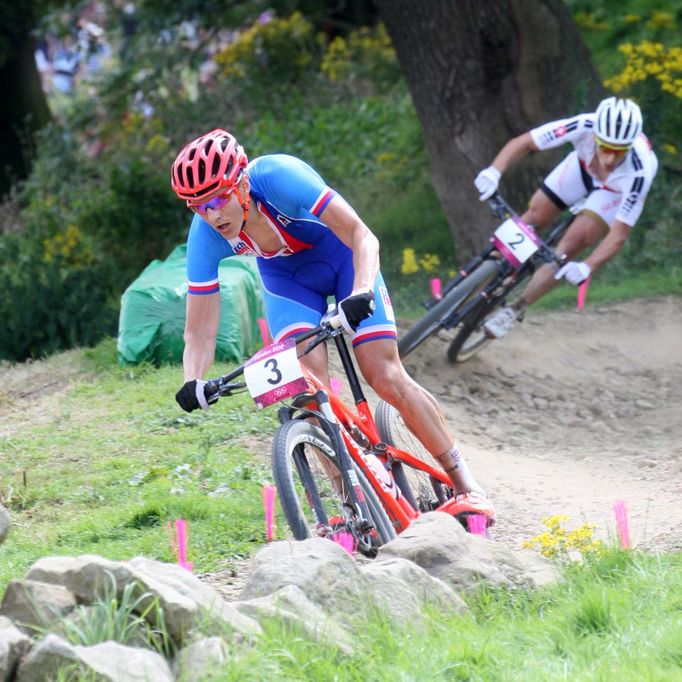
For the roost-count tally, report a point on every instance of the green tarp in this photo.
(152, 319)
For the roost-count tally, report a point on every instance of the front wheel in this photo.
(454, 299)
(312, 493)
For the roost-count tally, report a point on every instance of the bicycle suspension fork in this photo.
(350, 479)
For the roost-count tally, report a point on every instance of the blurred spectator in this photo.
(93, 46)
(65, 66)
(44, 62)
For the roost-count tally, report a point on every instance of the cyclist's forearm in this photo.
(514, 151)
(609, 247)
(197, 357)
(365, 261)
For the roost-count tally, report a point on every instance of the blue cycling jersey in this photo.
(311, 264)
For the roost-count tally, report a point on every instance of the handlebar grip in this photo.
(212, 391)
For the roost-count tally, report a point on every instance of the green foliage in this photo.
(278, 54)
(363, 60)
(125, 618)
(46, 307)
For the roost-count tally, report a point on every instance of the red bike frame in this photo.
(399, 510)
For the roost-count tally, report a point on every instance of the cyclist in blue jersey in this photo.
(310, 244)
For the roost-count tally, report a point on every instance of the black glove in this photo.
(191, 396)
(356, 308)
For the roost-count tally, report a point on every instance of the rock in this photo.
(182, 597)
(207, 598)
(106, 661)
(438, 543)
(4, 524)
(401, 589)
(33, 605)
(649, 463)
(323, 571)
(194, 661)
(291, 604)
(13, 645)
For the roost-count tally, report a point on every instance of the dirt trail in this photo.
(570, 412)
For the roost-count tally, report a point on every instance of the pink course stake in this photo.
(344, 539)
(477, 524)
(620, 509)
(436, 288)
(264, 331)
(269, 494)
(582, 293)
(180, 542)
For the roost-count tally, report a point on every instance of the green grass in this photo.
(102, 467)
(616, 618)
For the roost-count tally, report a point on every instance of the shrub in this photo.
(46, 307)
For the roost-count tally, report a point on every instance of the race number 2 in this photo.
(516, 241)
(274, 373)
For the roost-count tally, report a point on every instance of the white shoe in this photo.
(500, 323)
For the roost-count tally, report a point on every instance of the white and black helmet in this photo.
(618, 122)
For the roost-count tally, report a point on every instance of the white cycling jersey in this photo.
(621, 196)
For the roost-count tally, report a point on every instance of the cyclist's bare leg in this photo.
(381, 367)
(541, 210)
(317, 361)
(585, 231)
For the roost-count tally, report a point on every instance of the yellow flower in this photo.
(410, 265)
(430, 262)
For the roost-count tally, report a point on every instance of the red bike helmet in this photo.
(212, 162)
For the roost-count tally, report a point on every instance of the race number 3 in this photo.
(516, 241)
(274, 373)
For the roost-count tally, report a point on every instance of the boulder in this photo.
(34, 605)
(4, 524)
(109, 661)
(13, 645)
(439, 544)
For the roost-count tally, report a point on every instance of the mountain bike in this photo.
(486, 282)
(338, 469)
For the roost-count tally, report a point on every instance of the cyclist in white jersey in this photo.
(309, 244)
(609, 171)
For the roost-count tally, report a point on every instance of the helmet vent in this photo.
(215, 166)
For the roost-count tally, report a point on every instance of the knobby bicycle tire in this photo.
(430, 323)
(422, 491)
(313, 457)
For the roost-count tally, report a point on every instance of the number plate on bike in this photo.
(516, 241)
(274, 373)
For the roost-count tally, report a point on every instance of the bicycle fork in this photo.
(349, 477)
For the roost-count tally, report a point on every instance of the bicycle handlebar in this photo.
(225, 385)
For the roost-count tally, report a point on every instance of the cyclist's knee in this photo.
(541, 210)
(386, 377)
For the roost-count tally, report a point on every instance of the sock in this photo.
(458, 471)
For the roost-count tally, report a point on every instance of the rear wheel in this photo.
(430, 323)
(312, 493)
(424, 492)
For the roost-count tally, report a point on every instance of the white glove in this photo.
(575, 272)
(487, 182)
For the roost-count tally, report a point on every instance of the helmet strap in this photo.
(244, 202)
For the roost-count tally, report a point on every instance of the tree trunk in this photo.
(24, 108)
(481, 72)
